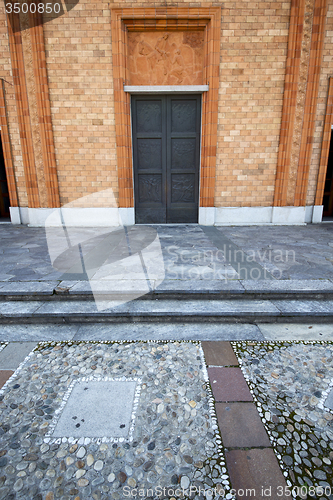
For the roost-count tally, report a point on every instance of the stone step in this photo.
(23, 333)
(168, 289)
(231, 311)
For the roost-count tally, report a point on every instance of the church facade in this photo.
(156, 113)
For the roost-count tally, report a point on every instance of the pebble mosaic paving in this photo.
(290, 383)
(175, 443)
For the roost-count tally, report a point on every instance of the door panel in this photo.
(149, 156)
(183, 139)
(166, 151)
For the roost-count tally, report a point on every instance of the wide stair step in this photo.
(166, 310)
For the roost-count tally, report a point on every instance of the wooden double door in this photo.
(166, 156)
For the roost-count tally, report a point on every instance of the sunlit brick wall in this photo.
(252, 72)
(79, 66)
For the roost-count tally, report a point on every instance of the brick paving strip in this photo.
(251, 462)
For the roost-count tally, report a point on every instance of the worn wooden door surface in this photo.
(166, 154)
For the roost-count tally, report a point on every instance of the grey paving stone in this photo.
(28, 288)
(79, 307)
(140, 307)
(17, 308)
(292, 331)
(167, 331)
(14, 353)
(38, 333)
(203, 286)
(288, 249)
(173, 307)
(288, 285)
(97, 409)
(111, 286)
(315, 307)
(245, 265)
(51, 276)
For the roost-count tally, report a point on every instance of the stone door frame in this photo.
(207, 19)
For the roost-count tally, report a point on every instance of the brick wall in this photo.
(79, 67)
(253, 54)
(252, 71)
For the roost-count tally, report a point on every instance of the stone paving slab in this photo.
(4, 376)
(287, 252)
(18, 308)
(189, 287)
(210, 286)
(228, 384)
(115, 286)
(137, 308)
(172, 307)
(219, 353)
(315, 307)
(210, 332)
(166, 331)
(78, 307)
(38, 333)
(136, 288)
(294, 331)
(256, 474)
(14, 354)
(98, 409)
(241, 426)
(131, 331)
(167, 310)
(28, 287)
(287, 286)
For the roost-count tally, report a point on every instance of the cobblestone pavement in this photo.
(172, 441)
(224, 419)
(291, 383)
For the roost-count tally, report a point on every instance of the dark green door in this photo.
(166, 152)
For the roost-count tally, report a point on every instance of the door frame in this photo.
(167, 174)
(206, 19)
(325, 145)
(7, 149)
